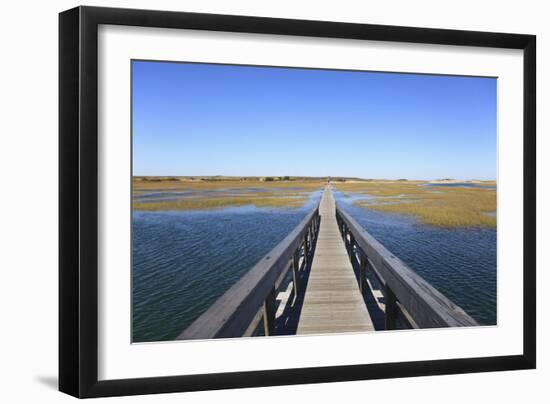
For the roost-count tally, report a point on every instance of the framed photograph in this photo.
(251, 201)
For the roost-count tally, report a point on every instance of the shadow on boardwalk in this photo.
(286, 323)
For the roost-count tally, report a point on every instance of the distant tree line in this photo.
(270, 179)
(157, 179)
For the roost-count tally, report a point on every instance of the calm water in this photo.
(461, 263)
(183, 261)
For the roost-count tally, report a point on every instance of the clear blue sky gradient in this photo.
(203, 119)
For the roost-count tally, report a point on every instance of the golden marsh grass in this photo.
(138, 184)
(437, 206)
(274, 193)
(220, 202)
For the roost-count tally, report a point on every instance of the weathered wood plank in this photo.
(332, 302)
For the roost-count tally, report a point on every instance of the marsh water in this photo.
(184, 260)
(460, 262)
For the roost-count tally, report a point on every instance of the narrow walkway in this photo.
(333, 301)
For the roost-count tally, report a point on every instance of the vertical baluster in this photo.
(295, 269)
(269, 313)
(362, 271)
(318, 221)
(391, 308)
(351, 244)
(306, 250)
(315, 225)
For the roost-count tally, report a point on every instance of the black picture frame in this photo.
(78, 201)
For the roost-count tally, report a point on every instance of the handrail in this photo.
(235, 311)
(404, 288)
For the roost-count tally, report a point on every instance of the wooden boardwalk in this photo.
(333, 301)
(307, 284)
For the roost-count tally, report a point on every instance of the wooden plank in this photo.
(426, 305)
(332, 302)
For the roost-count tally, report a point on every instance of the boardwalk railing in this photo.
(239, 311)
(406, 295)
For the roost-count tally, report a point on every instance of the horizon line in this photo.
(318, 176)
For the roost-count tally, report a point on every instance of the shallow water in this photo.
(184, 260)
(460, 263)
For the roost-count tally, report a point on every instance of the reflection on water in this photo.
(461, 263)
(184, 260)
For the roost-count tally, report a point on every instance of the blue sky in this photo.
(203, 119)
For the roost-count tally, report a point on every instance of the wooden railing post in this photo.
(351, 244)
(318, 220)
(269, 313)
(317, 223)
(343, 232)
(362, 271)
(314, 226)
(295, 269)
(306, 250)
(391, 308)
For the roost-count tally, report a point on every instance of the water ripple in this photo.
(183, 261)
(461, 263)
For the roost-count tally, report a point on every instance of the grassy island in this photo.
(442, 206)
(222, 192)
